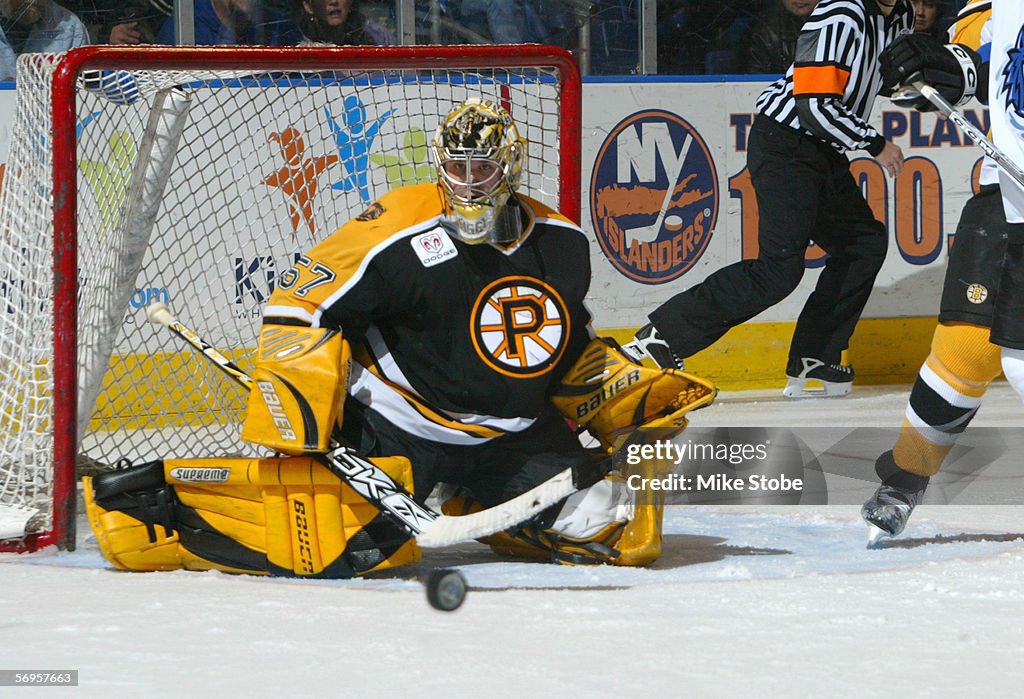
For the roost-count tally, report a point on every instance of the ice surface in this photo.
(746, 601)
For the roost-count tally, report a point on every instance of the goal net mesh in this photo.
(198, 188)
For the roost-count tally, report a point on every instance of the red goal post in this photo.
(138, 174)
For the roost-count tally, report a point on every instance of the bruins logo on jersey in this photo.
(976, 293)
(374, 211)
(520, 326)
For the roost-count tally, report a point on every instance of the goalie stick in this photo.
(973, 132)
(430, 529)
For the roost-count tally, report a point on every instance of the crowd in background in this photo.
(752, 36)
(693, 36)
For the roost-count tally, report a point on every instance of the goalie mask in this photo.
(479, 156)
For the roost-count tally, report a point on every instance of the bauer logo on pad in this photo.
(434, 247)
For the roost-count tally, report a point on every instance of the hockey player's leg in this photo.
(950, 385)
(616, 521)
(856, 244)
(1013, 367)
(622, 512)
(260, 516)
(946, 395)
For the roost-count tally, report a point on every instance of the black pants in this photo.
(975, 263)
(984, 282)
(804, 191)
(1008, 322)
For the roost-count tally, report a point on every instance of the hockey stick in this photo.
(973, 132)
(430, 529)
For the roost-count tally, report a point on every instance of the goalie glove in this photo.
(952, 69)
(613, 397)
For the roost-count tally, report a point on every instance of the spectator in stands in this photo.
(769, 45)
(926, 18)
(554, 22)
(339, 22)
(495, 21)
(692, 32)
(232, 22)
(121, 21)
(36, 26)
(500, 21)
(138, 23)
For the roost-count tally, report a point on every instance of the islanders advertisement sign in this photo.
(653, 196)
(668, 197)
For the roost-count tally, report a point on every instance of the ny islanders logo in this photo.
(519, 326)
(654, 196)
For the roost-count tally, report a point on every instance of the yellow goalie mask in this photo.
(479, 156)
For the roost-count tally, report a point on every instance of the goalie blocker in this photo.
(293, 517)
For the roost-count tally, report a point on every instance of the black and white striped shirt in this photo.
(829, 90)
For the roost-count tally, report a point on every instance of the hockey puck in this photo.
(446, 589)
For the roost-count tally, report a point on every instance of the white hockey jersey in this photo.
(1000, 42)
(1006, 99)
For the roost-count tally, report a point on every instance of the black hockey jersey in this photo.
(454, 343)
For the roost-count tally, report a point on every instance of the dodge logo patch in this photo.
(434, 247)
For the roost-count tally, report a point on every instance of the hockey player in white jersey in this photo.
(981, 323)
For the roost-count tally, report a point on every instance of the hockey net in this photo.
(195, 176)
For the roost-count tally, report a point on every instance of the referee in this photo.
(806, 122)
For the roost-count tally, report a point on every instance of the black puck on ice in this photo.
(446, 589)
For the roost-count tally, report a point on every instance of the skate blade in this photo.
(875, 535)
(798, 389)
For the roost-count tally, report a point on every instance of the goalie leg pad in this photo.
(610, 523)
(288, 517)
(131, 516)
(586, 513)
(606, 523)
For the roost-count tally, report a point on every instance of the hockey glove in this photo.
(299, 385)
(951, 69)
(613, 397)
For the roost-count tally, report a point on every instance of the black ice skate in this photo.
(826, 380)
(648, 343)
(888, 510)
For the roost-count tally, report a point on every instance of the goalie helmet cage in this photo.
(195, 176)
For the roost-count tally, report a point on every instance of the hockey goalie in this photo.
(442, 333)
